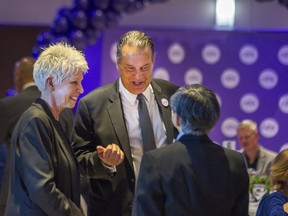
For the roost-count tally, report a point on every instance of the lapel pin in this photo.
(164, 102)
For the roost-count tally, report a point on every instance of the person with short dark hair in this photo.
(194, 175)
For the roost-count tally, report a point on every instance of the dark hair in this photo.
(197, 108)
(134, 38)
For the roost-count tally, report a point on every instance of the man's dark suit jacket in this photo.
(100, 121)
(192, 176)
(11, 108)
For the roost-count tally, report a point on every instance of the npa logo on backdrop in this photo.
(283, 103)
(268, 79)
(283, 55)
(161, 73)
(229, 127)
(193, 76)
(176, 53)
(211, 54)
(230, 78)
(248, 54)
(249, 103)
(269, 127)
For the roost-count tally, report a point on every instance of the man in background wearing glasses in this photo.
(258, 158)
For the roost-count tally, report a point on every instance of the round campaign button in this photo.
(164, 102)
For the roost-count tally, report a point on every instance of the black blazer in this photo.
(44, 173)
(100, 121)
(193, 176)
(11, 108)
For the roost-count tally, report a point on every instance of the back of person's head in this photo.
(58, 61)
(134, 38)
(197, 108)
(279, 172)
(248, 124)
(23, 72)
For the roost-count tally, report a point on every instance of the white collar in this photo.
(132, 98)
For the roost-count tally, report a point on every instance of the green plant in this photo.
(259, 180)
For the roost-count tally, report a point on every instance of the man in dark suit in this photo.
(11, 108)
(109, 115)
(192, 176)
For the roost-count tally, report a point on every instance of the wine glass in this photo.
(259, 190)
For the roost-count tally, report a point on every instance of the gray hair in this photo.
(249, 124)
(197, 108)
(59, 61)
(134, 38)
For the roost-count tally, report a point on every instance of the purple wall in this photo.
(247, 70)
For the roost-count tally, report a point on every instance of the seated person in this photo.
(276, 203)
(257, 157)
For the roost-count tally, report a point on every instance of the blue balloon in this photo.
(101, 4)
(119, 5)
(78, 39)
(134, 6)
(92, 35)
(60, 38)
(60, 25)
(82, 4)
(79, 19)
(44, 38)
(112, 18)
(64, 12)
(97, 19)
(36, 50)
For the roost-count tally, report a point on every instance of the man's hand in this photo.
(112, 155)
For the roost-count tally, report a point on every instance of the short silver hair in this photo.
(249, 124)
(59, 61)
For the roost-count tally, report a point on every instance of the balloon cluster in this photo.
(82, 24)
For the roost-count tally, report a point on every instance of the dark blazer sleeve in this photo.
(241, 179)
(151, 203)
(3, 119)
(84, 143)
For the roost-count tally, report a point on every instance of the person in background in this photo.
(256, 156)
(11, 109)
(276, 203)
(194, 175)
(108, 116)
(44, 175)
